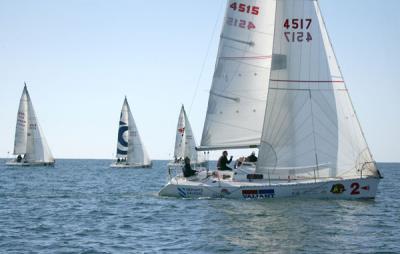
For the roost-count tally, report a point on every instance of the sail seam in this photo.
(306, 81)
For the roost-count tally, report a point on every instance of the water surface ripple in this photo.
(83, 206)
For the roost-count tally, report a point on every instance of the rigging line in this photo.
(205, 58)
(289, 114)
(286, 118)
(314, 138)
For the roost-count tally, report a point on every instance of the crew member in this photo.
(223, 161)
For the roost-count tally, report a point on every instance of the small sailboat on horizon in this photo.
(185, 144)
(131, 152)
(277, 87)
(30, 145)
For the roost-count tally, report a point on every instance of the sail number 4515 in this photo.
(298, 24)
(240, 7)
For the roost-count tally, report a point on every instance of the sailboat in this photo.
(131, 152)
(30, 145)
(277, 86)
(185, 143)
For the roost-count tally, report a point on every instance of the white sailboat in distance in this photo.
(277, 86)
(185, 143)
(131, 152)
(30, 145)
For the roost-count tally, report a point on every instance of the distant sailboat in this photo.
(131, 152)
(277, 86)
(185, 143)
(30, 145)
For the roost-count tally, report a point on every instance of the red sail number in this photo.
(240, 23)
(240, 7)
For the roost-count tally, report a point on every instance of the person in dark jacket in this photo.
(187, 168)
(223, 161)
(252, 157)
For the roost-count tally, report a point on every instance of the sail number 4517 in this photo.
(298, 24)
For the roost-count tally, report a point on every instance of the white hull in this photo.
(359, 188)
(121, 165)
(29, 164)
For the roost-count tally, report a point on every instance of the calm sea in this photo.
(83, 206)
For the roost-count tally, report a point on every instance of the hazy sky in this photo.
(80, 58)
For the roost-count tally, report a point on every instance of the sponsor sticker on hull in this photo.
(258, 194)
(190, 192)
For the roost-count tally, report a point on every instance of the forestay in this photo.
(310, 126)
(237, 98)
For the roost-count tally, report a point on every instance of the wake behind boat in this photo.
(131, 152)
(30, 145)
(277, 86)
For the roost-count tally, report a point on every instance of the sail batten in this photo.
(238, 94)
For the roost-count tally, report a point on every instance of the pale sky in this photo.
(80, 58)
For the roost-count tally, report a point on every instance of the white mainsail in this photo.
(185, 143)
(29, 138)
(130, 146)
(21, 130)
(310, 126)
(123, 133)
(237, 98)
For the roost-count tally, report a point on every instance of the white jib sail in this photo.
(185, 143)
(310, 126)
(237, 98)
(136, 153)
(36, 149)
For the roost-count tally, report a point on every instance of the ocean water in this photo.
(83, 206)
